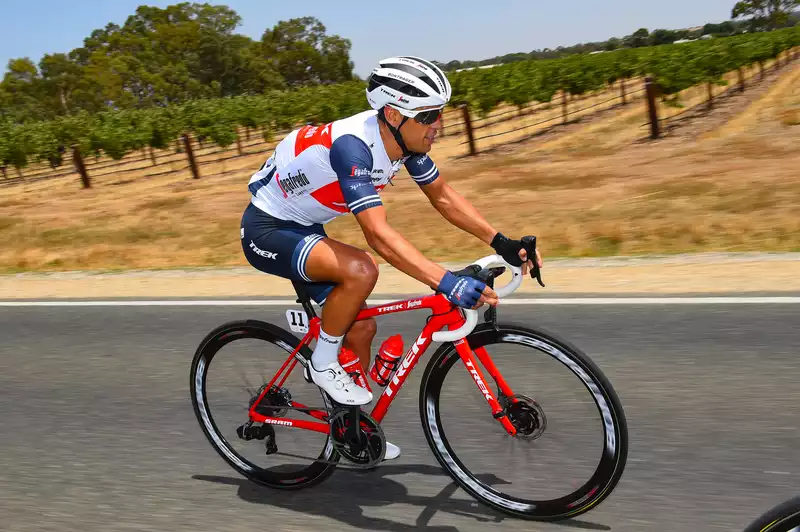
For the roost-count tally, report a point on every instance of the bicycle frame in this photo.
(444, 314)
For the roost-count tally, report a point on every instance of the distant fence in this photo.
(514, 124)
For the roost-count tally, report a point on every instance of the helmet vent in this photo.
(414, 72)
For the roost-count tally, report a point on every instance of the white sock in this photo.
(326, 350)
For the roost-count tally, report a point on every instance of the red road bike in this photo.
(358, 437)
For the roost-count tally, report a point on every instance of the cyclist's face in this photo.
(418, 137)
(422, 135)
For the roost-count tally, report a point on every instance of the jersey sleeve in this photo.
(351, 159)
(422, 169)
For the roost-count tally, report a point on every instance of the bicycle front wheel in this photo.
(558, 395)
(784, 517)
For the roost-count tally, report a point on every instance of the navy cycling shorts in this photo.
(281, 248)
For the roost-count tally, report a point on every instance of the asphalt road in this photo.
(98, 432)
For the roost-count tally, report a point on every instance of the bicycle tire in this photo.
(614, 456)
(208, 348)
(785, 517)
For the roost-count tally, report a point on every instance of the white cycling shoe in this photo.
(392, 451)
(338, 384)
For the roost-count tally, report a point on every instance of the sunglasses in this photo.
(427, 116)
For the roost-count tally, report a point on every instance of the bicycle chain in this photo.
(330, 410)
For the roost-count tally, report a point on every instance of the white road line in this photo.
(526, 301)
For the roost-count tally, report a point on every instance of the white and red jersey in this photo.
(318, 173)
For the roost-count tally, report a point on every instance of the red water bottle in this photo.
(387, 360)
(352, 366)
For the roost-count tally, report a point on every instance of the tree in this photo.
(720, 30)
(22, 92)
(765, 14)
(60, 78)
(640, 38)
(659, 37)
(302, 53)
(612, 44)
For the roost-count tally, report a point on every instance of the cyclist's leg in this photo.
(359, 337)
(359, 340)
(354, 274)
(328, 268)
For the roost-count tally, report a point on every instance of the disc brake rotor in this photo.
(527, 416)
(275, 397)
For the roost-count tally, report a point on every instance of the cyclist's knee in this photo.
(363, 270)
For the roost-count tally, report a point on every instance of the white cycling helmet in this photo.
(408, 83)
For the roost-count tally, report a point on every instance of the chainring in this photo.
(373, 447)
(527, 416)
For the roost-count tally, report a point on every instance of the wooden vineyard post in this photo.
(5, 175)
(153, 156)
(187, 143)
(741, 80)
(77, 158)
(710, 95)
(239, 145)
(564, 105)
(622, 85)
(652, 110)
(468, 127)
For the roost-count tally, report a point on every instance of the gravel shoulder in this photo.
(678, 274)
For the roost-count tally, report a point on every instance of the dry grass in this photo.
(589, 192)
(782, 104)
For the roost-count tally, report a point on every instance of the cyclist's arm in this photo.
(396, 250)
(450, 204)
(351, 159)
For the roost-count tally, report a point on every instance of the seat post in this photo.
(304, 299)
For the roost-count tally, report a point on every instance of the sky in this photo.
(441, 31)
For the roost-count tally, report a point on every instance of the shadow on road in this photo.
(344, 495)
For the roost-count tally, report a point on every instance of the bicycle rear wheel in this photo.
(215, 372)
(575, 485)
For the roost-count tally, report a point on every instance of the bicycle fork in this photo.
(469, 359)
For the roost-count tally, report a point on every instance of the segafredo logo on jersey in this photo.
(292, 183)
(355, 171)
(405, 365)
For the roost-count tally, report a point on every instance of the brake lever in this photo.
(491, 313)
(529, 243)
(536, 273)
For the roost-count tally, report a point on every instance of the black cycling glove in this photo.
(508, 249)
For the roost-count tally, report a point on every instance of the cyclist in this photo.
(318, 173)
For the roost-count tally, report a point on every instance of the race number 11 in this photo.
(298, 320)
